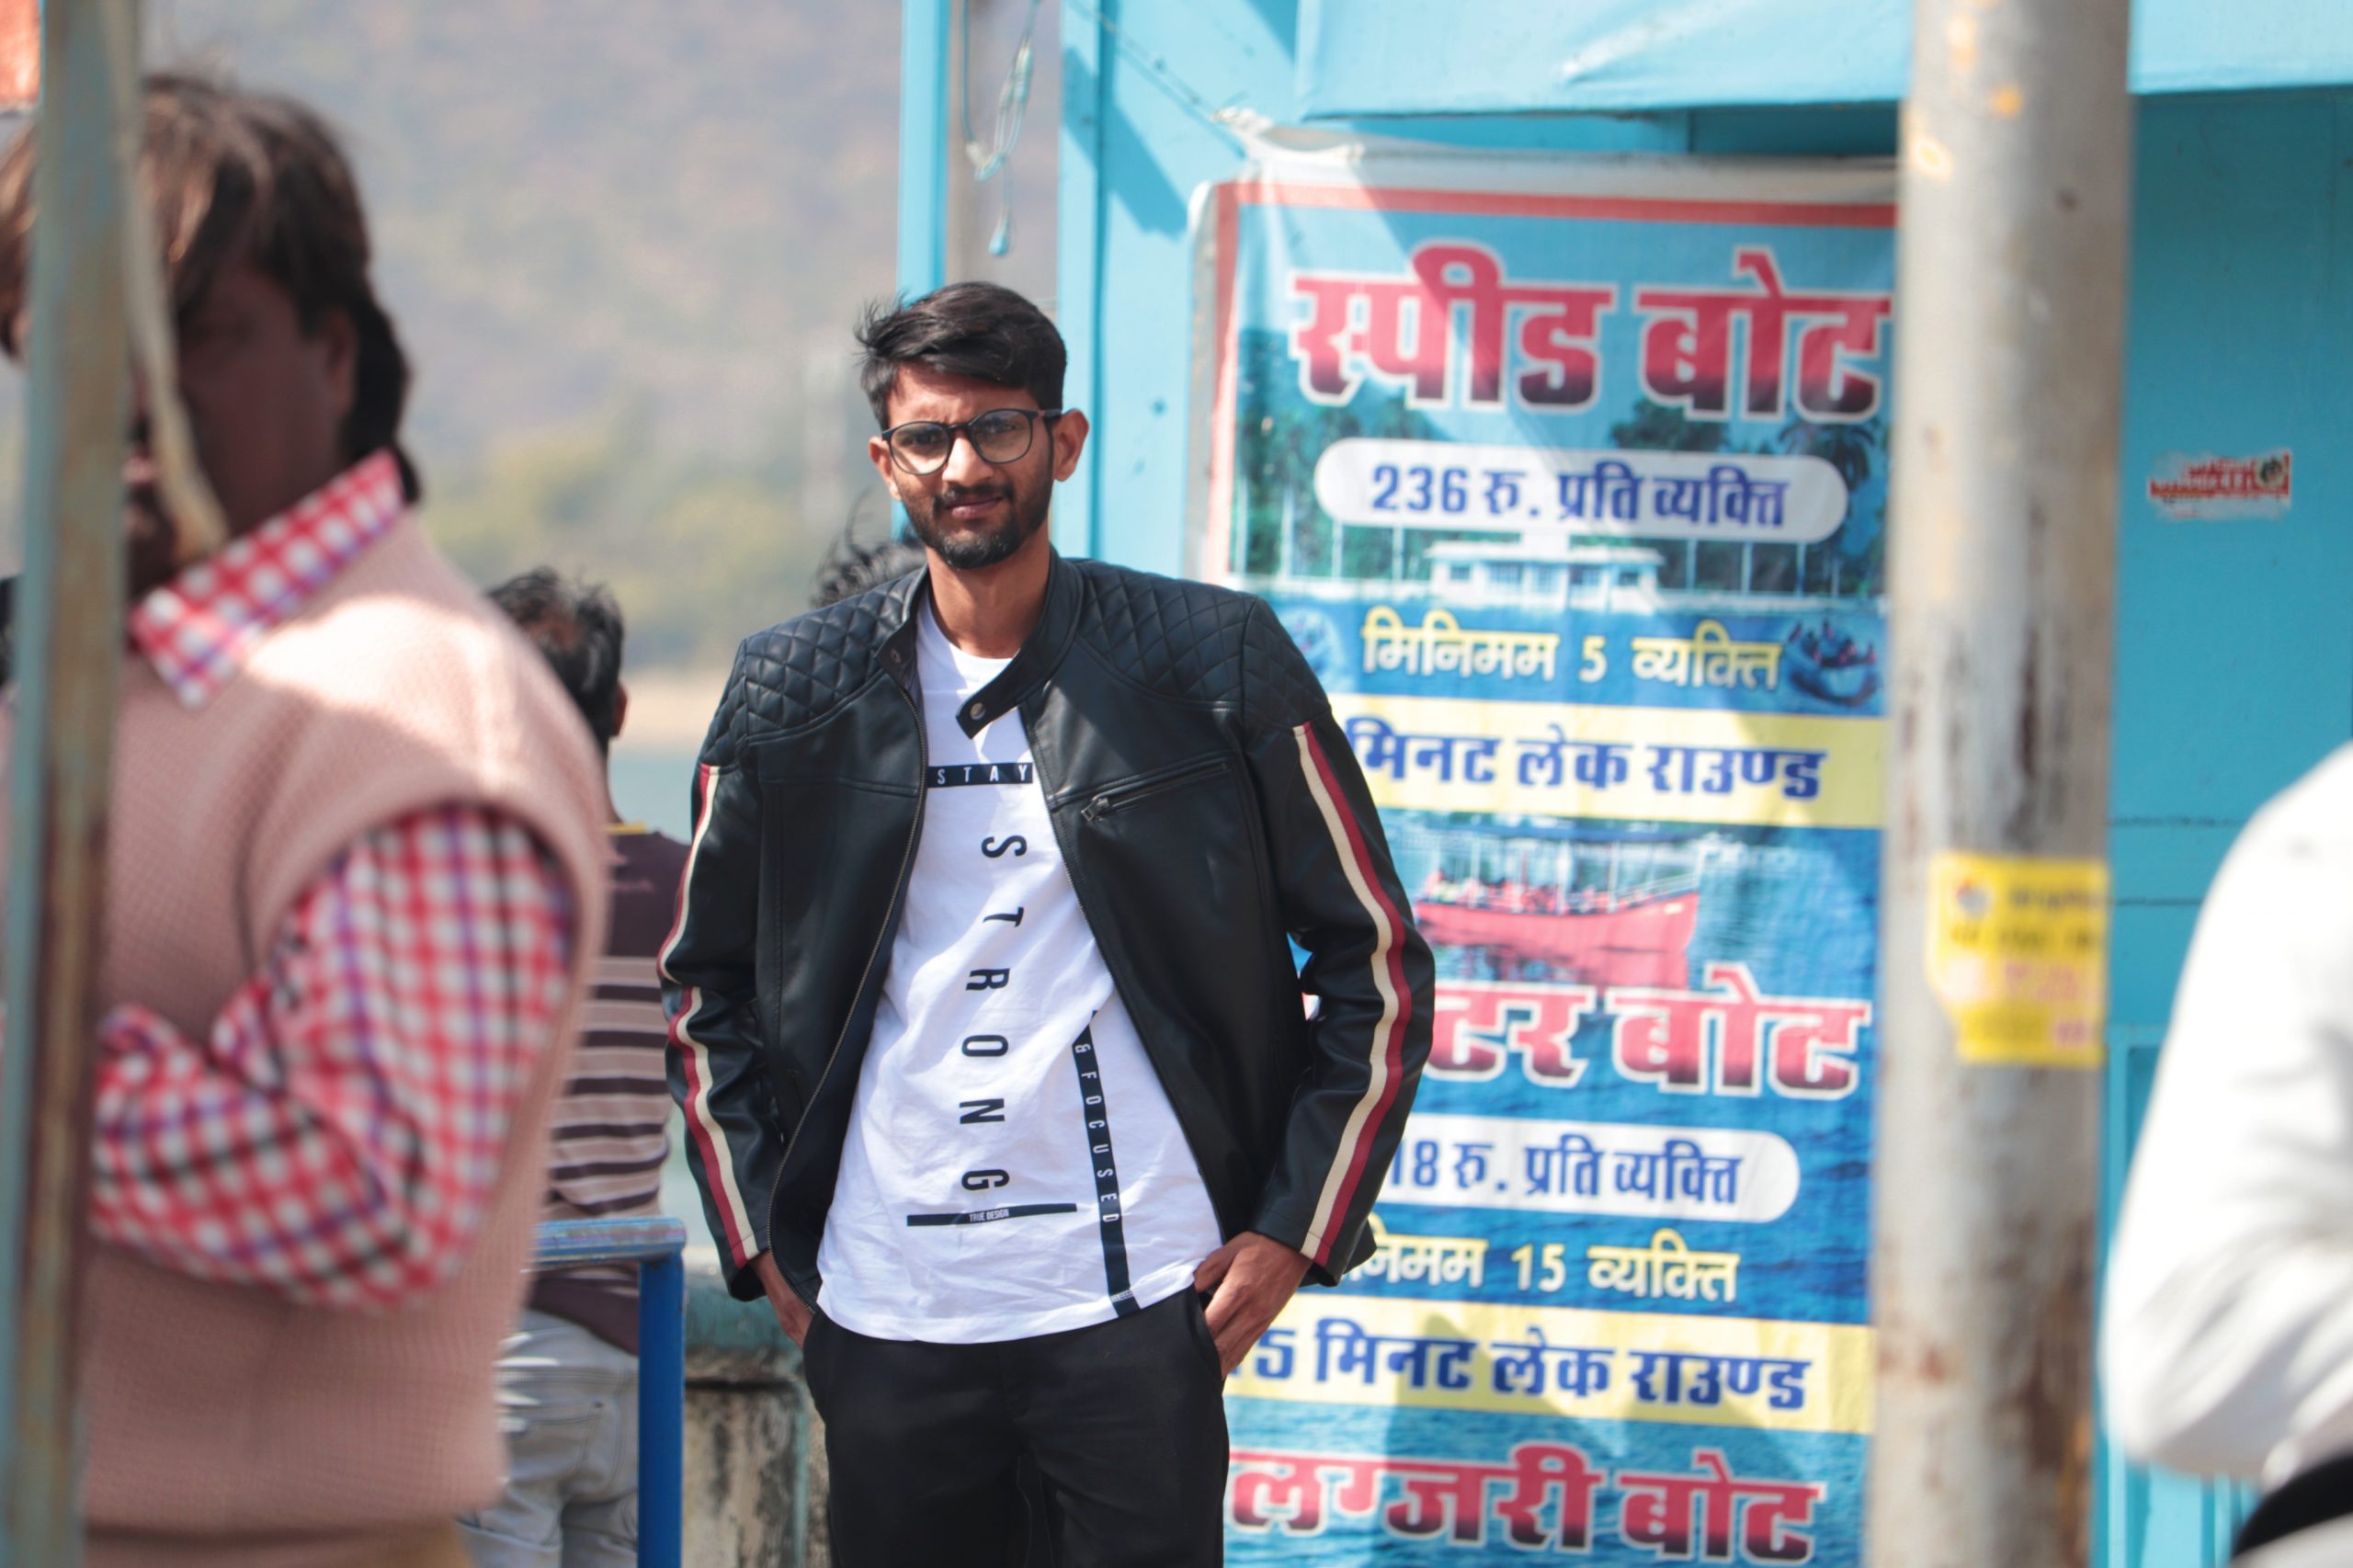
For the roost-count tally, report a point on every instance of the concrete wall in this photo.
(755, 1450)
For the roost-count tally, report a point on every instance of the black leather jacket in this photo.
(1207, 807)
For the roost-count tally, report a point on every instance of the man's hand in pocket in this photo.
(791, 1312)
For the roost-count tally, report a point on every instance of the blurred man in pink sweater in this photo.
(356, 878)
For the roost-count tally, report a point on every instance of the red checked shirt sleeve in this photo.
(336, 1136)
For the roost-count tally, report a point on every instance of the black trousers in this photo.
(1123, 1422)
(2310, 1498)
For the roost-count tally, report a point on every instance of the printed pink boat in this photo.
(1632, 941)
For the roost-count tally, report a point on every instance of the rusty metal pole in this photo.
(68, 647)
(2015, 187)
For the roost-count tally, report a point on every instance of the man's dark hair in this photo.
(578, 627)
(238, 177)
(966, 329)
(852, 568)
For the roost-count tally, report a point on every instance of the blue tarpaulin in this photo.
(1383, 57)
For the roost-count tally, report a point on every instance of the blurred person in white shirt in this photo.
(2227, 1337)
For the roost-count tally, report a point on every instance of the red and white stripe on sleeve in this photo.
(1385, 1057)
(706, 1139)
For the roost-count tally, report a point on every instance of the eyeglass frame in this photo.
(963, 429)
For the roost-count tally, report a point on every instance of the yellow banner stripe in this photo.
(1423, 772)
(1837, 1382)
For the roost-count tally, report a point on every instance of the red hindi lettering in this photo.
(1688, 339)
(1715, 1040)
(1477, 1023)
(1665, 1512)
(1662, 1037)
(1401, 329)
(1539, 1473)
(1319, 342)
(1829, 386)
(1282, 1489)
(1686, 347)
(1467, 274)
(1272, 1488)
(1813, 1045)
(1772, 1514)
(1558, 344)
(1425, 361)
(1441, 1495)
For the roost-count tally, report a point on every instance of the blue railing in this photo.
(655, 1246)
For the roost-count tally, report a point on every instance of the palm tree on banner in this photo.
(1851, 448)
(1296, 464)
(1315, 434)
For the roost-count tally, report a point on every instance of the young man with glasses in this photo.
(986, 1019)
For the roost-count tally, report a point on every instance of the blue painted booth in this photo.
(2235, 669)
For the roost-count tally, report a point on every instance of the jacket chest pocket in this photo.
(1131, 794)
(1180, 844)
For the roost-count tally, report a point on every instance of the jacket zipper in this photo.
(1111, 801)
(906, 864)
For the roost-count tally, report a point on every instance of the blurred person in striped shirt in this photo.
(568, 1375)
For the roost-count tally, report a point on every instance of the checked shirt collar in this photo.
(198, 628)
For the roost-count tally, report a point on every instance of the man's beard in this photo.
(151, 543)
(969, 548)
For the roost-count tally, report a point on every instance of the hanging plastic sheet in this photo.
(1379, 57)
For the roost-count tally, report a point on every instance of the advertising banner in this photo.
(1569, 477)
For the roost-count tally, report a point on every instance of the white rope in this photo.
(1012, 110)
(198, 527)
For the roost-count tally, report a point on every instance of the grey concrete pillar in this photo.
(755, 1453)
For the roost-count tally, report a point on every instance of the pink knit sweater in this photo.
(228, 1425)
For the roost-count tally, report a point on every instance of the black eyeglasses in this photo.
(1000, 436)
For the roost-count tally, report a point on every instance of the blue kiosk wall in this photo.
(2236, 658)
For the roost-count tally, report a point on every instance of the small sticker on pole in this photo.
(2018, 953)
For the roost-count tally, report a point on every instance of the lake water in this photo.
(655, 788)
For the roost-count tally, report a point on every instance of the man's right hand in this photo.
(791, 1312)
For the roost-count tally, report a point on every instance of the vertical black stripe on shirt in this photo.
(1098, 1117)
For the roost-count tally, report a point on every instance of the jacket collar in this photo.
(200, 629)
(1038, 658)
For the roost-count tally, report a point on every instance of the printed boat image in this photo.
(1633, 941)
(1826, 663)
(1556, 902)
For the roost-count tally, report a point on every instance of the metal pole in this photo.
(661, 1410)
(925, 29)
(2016, 186)
(925, 33)
(68, 639)
(655, 1244)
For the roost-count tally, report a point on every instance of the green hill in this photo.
(614, 235)
(624, 242)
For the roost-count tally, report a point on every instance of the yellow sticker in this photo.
(2018, 953)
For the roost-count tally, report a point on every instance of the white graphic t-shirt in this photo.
(1012, 1166)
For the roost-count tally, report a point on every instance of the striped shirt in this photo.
(607, 1144)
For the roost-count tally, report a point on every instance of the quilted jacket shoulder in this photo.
(795, 672)
(1196, 642)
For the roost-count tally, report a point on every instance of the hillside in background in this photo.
(624, 244)
(578, 203)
